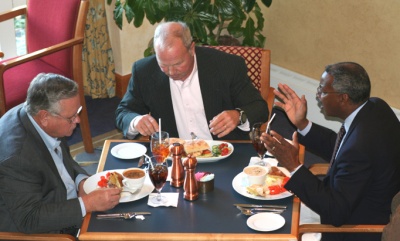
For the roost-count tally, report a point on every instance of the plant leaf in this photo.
(128, 8)
(118, 14)
(267, 2)
(248, 5)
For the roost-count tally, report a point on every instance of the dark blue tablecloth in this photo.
(211, 213)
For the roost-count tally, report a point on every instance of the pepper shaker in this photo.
(190, 186)
(177, 172)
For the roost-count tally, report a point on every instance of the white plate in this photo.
(214, 159)
(91, 185)
(128, 150)
(239, 185)
(265, 222)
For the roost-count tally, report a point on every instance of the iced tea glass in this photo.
(159, 144)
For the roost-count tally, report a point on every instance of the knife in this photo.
(259, 206)
(122, 215)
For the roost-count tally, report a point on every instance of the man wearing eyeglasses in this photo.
(364, 172)
(41, 186)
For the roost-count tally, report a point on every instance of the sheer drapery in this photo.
(98, 61)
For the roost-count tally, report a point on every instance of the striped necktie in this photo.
(339, 139)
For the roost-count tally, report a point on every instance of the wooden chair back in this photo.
(258, 61)
(55, 34)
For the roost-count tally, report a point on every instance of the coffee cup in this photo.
(255, 174)
(133, 179)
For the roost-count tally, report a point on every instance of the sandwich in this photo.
(196, 148)
(115, 180)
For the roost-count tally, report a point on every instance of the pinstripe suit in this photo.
(224, 86)
(33, 197)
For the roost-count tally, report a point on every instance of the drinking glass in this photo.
(158, 173)
(255, 134)
(159, 144)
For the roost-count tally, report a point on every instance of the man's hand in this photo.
(101, 199)
(146, 125)
(295, 107)
(287, 154)
(225, 122)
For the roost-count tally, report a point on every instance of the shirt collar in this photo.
(350, 118)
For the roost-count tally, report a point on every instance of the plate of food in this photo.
(272, 189)
(110, 179)
(128, 150)
(205, 150)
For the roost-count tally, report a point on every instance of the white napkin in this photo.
(255, 160)
(172, 199)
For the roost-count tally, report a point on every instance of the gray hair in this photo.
(46, 90)
(168, 30)
(352, 79)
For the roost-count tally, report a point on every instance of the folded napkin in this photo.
(172, 199)
(255, 160)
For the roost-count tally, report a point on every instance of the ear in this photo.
(43, 117)
(344, 98)
(192, 48)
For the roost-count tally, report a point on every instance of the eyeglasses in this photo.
(72, 118)
(325, 93)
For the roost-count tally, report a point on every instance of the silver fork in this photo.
(194, 137)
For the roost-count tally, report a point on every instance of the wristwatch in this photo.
(242, 116)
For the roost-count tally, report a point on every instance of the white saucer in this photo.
(265, 222)
(128, 150)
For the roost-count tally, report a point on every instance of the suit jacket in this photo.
(365, 176)
(33, 197)
(224, 86)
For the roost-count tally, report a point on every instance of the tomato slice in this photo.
(225, 151)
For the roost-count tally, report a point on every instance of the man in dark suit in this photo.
(41, 186)
(365, 171)
(192, 89)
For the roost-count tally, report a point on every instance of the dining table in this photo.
(212, 216)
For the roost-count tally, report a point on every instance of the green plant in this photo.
(207, 19)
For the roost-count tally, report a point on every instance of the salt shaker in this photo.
(191, 190)
(178, 172)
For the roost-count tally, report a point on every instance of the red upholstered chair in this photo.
(258, 63)
(54, 37)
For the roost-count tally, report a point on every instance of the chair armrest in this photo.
(38, 237)
(13, 13)
(38, 54)
(348, 228)
(319, 169)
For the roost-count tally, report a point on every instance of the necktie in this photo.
(58, 151)
(339, 139)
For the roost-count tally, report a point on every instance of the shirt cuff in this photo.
(295, 170)
(305, 130)
(79, 178)
(245, 126)
(83, 209)
(132, 132)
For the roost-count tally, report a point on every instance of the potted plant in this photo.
(207, 19)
